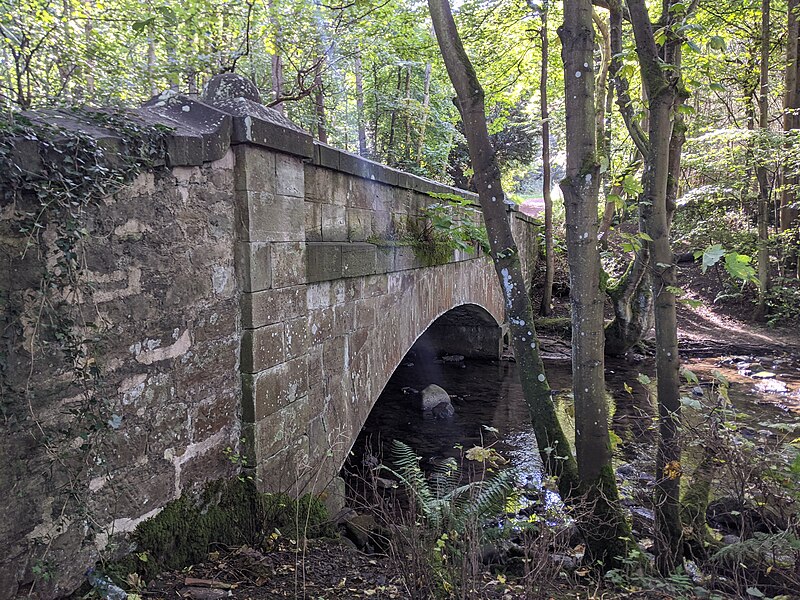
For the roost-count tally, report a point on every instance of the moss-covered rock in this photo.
(225, 513)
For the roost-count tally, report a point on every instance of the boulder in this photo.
(443, 410)
(432, 396)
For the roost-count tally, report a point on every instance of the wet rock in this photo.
(366, 534)
(432, 396)
(453, 358)
(359, 529)
(443, 410)
(344, 515)
(771, 386)
(564, 561)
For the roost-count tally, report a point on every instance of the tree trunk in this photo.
(549, 247)
(603, 99)
(151, 67)
(761, 170)
(426, 104)
(791, 115)
(390, 149)
(632, 297)
(663, 90)
(606, 529)
(554, 448)
(362, 131)
(319, 103)
(276, 63)
(407, 111)
(376, 117)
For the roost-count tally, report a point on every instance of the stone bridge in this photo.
(254, 294)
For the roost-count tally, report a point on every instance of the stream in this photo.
(490, 409)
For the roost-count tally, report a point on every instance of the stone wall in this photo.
(253, 296)
(160, 262)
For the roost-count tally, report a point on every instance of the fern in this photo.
(444, 503)
(762, 549)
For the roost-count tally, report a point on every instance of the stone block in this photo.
(365, 313)
(339, 189)
(278, 430)
(319, 184)
(288, 471)
(288, 263)
(398, 225)
(334, 223)
(323, 261)
(266, 217)
(344, 317)
(357, 193)
(359, 224)
(384, 259)
(335, 357)
(289, 176)
(254, 170)
(376, 285)
(314, 367)
(253, 266)
(320, 325)
(270, 390)
(296, 337)
(269, 133)
(358, 259)
(313, 221)
(356, 341)
(318, 295)
(326, 156)
(382, 224)
(272, 306)
(405, 258)
(262, 348)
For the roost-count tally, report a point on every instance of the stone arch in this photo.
(419, 298)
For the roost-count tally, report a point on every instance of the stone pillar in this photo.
(271, 268)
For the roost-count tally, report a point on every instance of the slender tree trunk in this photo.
(426, 104)
(605, 532)
(276, 63)
(632, 297)
(319, 103)
(151, 67)
(663, 90)
(407, 111)
(603, 99)
(390, 149)
(791, 115)
(761, 170)
(554, 448)
(547, 181)
(362, 131)
(90, 64)
(376, 117)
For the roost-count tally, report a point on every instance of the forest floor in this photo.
(334, 569)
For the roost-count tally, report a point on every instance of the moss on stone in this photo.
(225, 513)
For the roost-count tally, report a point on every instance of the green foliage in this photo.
(736, 265)
(448, 226)
(782, 300)
(446, 503)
